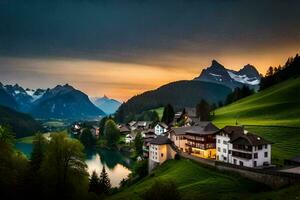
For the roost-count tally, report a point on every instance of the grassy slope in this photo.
(275, 106)
(159, 111)
(194, 182)
(273, 113)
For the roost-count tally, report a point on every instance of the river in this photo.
(116, 164)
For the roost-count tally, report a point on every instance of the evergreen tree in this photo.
(203, 110)
(111, 133)
(168, 114)
(94, 185)
(138, 143)
(38, 152)
(104, 181)
(87, 138)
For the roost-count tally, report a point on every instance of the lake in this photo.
(116, 164)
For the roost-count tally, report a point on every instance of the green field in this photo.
(195, 182)
(273, 114)
(275, 106)
(159, 111)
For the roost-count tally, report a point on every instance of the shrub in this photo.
(162, 190)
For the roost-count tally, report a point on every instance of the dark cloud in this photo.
(142, 30)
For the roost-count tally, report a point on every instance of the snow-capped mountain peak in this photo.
(247, 75)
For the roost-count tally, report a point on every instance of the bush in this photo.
(162, 190)
(177, 156)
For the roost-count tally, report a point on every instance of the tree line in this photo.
(279, 74)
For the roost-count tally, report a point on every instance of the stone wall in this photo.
(274, 179)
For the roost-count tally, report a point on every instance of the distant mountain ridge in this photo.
(179, 94)
(108, 105)
(62, 102)
(217, 73)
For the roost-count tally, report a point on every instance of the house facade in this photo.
(160, 150)
(237, 146)
(177, 136)
(160, 128)
(201, 140)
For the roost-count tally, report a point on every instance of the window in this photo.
(224, 150)
(219, 141)
(266, 154)
(224, 158)
(259, 147)
(219, 149)
(241, 163)
(254, 164)
(229, 151)
(266, 146)
(162, 155)
(255, 155)
(224, 142)
(234, 161)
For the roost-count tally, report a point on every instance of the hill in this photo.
(273, 113)
(21, 124)
(180, 94)
(276, 106)
(194, 182)
(65, 102)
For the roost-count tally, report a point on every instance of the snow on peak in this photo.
(243, 78)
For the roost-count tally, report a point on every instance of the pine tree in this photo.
(38, 152)
(104, 181)
(94, 185)
(168, 114)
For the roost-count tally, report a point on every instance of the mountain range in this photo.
(60, 102)
(108, 105)
(217, 73)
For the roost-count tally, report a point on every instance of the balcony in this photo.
(238, 154)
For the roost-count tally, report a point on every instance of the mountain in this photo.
(21, 124)
(109, 106)
(180, 94)
(217, 73)
(6, 99)
(64, 102)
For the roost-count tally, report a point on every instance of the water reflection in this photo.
(117, 165)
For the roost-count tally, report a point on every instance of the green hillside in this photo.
(22, 124)
(197, 182)
(273, 113)
(275, 106)
(194, 182)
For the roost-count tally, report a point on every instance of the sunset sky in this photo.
(122, 48)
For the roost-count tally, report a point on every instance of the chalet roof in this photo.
(149, 132)
(143, 123)
(204, 128)
(159, 140)
(132, 123)
(248, 139)
(124, 129)
(180, 130)
(162, 124)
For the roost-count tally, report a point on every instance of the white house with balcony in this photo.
(160, 128)
(237, 146)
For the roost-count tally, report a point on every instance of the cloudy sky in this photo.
(122, 48)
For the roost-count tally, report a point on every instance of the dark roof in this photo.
(248, 139)
(204, 128)
(180, 130)
(124, 129)
(149, 132)
(162, 124)
(232, 131)
(161, 140)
